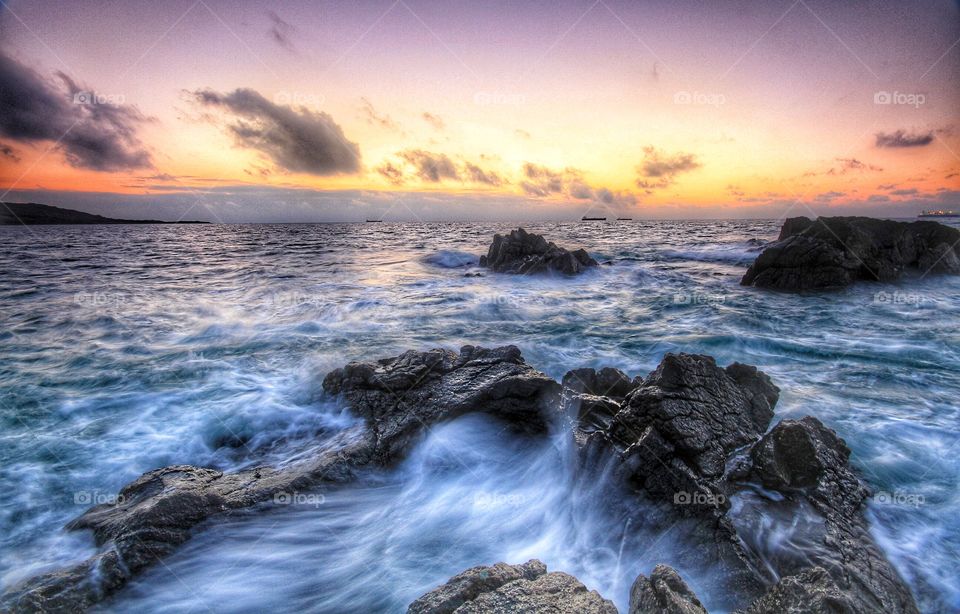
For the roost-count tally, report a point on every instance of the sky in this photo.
(243, 111)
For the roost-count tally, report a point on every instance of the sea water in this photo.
(127, 348)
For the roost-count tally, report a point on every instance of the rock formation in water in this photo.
(398, 398)
(688, 437)
(522, 252)
(833, 252)
(676, 436)
(502, 589)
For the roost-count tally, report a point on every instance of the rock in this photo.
(812, 591)
(523, 252)
(398, 398)
(803, 458)
(664, 592)
(834, 252)
(503, 589)
(401, 396)
(677, 428)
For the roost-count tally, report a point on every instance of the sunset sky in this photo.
(423, 110)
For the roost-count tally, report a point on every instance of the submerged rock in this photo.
(503, 589)
(523, 252)
(833, 252)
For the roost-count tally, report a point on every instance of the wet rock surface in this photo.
(523, 252)
(687, 437)
(664, 592)
(398, 398)
(502, 589)
(833, 252)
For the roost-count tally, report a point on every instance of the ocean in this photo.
(127, 348)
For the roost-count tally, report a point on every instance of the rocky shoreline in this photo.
(688, 437)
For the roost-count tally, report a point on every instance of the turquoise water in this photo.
(126, 348)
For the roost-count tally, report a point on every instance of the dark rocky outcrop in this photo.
(833, 252)
(675, 430)
(664, 592)
(523, 252)
(804, 459)
(689, 436)
(506, 589)
(398, 398)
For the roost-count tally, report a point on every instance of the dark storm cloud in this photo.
(92, 130)
(902, 138)
(431, 167)
(295, 139)
(659, 170)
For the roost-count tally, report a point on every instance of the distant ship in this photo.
(939, 213)
(372, 221)
(593, 219)
(624, 219)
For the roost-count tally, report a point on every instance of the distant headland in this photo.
(35, 213)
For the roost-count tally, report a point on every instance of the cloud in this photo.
(435, 121)
(392, 173)
(852, 164)
(431, 167)
(829, 196)
(294, 139)
(901, 138)
(281, 32)
(375, 118)
(659, 170)
(9, 152)
(906, 192)
(542, 182)
(523, 134)
(478, 175)
(92, 131)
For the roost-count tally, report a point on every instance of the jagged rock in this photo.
(803, 458)
(812, 591)
(506, 589)
(523, 252)
(664, 592)
(398, 398)
(676, 429)
(594, 397)
(835, 252)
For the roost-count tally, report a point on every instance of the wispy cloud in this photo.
(294, 139)
(659, 170)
